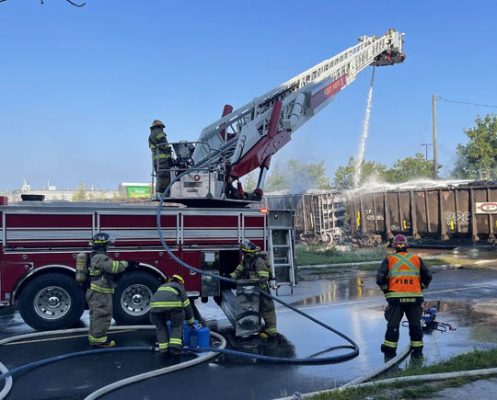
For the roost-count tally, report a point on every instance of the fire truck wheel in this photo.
(132, 298)
(52, 301)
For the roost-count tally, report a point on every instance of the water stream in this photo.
(364, 135)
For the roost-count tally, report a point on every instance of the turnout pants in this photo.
(163, 178)
(169, 337)
(268, 314)
(412, 308)
(100, 306)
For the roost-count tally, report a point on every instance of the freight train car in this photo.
(466, 212)
(319, 216)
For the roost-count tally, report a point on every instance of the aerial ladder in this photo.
(245, 139)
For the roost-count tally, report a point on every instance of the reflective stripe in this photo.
(101, 289)
(403, 261)
(416, 343)
(186, 303)
(393, 345)
(168, 289)
(175, 341)
(93, 339)
(190, 321)
(403, 294)
(263, 274)
(166, 304)
(115, 267)
(163, 346)
(271, 330)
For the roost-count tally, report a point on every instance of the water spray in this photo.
(364, 135)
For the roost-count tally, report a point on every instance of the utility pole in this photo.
(435, 156)
(426, 149)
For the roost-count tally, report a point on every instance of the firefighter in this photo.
(255, 266)
(402, 277)
(170, 303)
(103, 270)
(161, 156)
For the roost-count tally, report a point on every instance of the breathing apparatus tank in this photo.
(82, 271)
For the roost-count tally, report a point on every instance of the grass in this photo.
(476, 359)
(314, 255)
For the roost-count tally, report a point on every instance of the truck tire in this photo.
(132, 298)
(51, 301)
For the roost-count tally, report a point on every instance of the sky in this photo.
(79, 87)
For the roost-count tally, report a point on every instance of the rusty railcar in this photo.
(319, 216)
(466, 212)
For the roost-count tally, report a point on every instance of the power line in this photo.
(466, 102)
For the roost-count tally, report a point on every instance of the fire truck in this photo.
(204, 224)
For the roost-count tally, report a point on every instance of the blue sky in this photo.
(79, 87)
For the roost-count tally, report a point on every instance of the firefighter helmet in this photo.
(157, 123)
(399, 242)
(246, 246)
(177, 278)
(101, 239)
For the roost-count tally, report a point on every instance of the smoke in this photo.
(364, 135)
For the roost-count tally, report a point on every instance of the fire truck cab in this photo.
(39, 243)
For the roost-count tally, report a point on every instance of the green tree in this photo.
(410, 168)
(344, 175)
(478, 158)
(80, 194)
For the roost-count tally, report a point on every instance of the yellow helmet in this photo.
(246, 246)
(177, 278)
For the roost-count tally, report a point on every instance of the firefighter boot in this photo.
(417, 352)
(105, 345)
(388, 351)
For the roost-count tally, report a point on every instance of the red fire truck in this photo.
(39, 243)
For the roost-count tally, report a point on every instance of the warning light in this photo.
(264, 210)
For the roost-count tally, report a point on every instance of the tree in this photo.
(477, 159)
(410, 168)
(298, 176)
(344, 175)
(80, 194)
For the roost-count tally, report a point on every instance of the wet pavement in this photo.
(350, 303)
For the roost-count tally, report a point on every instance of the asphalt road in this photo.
(351, 303)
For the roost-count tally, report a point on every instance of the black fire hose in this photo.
(354, 348)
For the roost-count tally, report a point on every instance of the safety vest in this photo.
(404, 276)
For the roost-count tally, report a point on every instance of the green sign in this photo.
(139, 192)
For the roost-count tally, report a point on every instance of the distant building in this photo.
(126, 191)
(135, 190)
(51, 193)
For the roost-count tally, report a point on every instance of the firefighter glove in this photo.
(133, 264)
